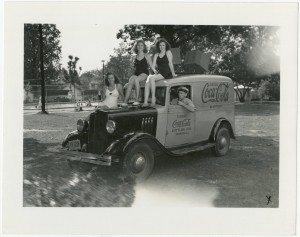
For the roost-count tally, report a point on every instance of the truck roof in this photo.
(193, 78)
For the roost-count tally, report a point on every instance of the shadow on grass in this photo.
(242, 178)
(50, 181)
(251, 174)
(58, 114)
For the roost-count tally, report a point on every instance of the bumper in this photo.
(104, 159)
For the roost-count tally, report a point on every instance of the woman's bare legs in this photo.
(129, 88)
(150, 84)
(147, 91)
(137, 81)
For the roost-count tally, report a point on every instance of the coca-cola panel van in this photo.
(133, 136)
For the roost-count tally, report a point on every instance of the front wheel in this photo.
(221, 147)
(139, 161)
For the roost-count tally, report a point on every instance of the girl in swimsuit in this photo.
(141, 61)
(112, 91)
(164, 61)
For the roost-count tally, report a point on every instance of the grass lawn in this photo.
(243, 178)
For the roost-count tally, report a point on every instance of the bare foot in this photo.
(153, 102)
(145, 105)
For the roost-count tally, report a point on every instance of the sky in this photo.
(90, 43)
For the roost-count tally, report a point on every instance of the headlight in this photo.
(110, 126)
(80, 125)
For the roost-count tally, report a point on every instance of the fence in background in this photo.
(56, 93)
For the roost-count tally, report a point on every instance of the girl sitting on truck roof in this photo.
(164, 62)
(142, 61)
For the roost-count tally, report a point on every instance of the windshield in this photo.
(160, 94)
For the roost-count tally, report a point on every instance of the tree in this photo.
(244, 53)
(51, 52)
(87, 77)
(270, 87)
(71, 75)
(120, 63)
(247, 55)
(273, 86)
(177, 35)
(42, 67)
(27, 92)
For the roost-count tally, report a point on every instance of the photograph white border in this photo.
(37, 220)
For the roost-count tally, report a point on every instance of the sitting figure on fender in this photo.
(112, 92)
(182, 100)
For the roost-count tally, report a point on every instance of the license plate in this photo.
(74, 145)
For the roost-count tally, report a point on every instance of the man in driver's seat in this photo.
(182, 100)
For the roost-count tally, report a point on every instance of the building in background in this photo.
(95, 85)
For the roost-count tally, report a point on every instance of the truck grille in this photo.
(98, 138)
(147, 124)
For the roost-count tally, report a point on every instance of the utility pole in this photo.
(42, 70)
(103, 69)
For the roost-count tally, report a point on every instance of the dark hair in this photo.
(117, 80)
(134, 48)
(168, 46)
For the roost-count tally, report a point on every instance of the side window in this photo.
(174, 93)
(160, 94)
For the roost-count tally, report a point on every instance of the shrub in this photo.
(270, 89)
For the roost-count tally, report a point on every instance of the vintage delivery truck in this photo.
(133, 136)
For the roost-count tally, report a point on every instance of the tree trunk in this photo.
(238, 92)
(243, 95)
(74, 94)
(42, 69)
(246, 88)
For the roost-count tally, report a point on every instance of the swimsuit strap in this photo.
(162, 56)
(107, 88)
(141, 59)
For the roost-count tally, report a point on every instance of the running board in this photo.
(190, 149)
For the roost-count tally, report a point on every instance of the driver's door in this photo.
(180, 126)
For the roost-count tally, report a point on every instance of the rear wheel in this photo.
(222, 141)
(139, 161)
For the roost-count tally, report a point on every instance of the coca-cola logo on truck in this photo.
(181, 123)
(215, 92)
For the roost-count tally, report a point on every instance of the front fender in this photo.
(82, 136)
(121, 146)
